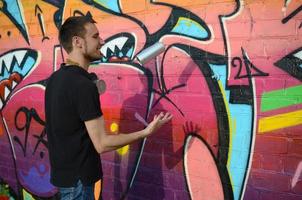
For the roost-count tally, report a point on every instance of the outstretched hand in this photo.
(158, 121)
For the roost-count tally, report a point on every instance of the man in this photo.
(74, 122)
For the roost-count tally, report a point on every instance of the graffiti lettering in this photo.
(29, 115)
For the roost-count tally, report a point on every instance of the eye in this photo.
(292, 63)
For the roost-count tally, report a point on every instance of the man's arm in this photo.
(106, 142)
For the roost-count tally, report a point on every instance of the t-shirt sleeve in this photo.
(87, 102)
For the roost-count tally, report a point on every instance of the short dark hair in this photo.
(73, 26)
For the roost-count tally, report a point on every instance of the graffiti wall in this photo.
(230, 74)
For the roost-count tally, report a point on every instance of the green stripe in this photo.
(281, 98)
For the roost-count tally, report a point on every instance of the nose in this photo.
(102, 42)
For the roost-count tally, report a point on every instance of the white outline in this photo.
(223, 20)
(249, 164)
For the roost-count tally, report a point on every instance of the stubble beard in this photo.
(91, 56)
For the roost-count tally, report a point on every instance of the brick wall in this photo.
(230, 74)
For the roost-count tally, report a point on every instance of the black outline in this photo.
(291, 15)
(291, 64)
(38, 13)
(15, 22)
(248, 64)
(130, 43)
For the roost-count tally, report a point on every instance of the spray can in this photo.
(150, 52)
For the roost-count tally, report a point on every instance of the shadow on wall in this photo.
(151, 178)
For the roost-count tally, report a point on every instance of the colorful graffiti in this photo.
(231, 75)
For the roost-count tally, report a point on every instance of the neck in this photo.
(77, 60)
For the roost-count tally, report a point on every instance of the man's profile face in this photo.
(92, 43)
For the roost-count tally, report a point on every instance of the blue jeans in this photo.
(78, 192)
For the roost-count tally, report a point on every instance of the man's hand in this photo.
(104, 142)
(158, 121)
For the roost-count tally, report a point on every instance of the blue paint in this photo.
(27, 66)
(14, 11)
(104, 59)
(241, 136)
(112, 5)
(5, 74)
(42, 168)
(190, 28)
(36, 182)
(130, 52)
(28, 63)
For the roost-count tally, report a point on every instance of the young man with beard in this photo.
(74, 121)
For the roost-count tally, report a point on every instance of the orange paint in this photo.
(202, 176)
(97, 189)
(1, 131)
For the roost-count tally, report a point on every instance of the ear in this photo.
(77, 42)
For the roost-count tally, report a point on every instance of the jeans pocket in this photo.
(72, 193)
(67, 193)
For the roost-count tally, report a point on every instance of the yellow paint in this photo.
(26, 195)
(232, 124)
(97, 189)
(267, 124)
(114, 127)
(187, 22)
(123, 150)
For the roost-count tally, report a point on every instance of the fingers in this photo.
(155, 117)
(161, 114)
(169, 116)
(158, 117)
(158, 121)
(164, 118)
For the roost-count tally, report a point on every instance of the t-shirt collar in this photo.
(76, 69)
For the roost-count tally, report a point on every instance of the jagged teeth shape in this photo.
(6, 92)
(8, 58)
(20, 55)
(14, 84)
(119, 42)
(298, 55)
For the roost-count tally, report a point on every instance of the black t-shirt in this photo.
(71, 98)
